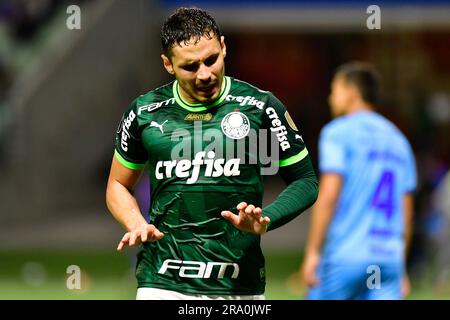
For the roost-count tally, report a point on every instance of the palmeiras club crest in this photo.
(235, 125)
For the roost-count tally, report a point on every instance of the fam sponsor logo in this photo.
(278, 128)
(185, 168)
(155, 105)
(198, 269)
(126, 124)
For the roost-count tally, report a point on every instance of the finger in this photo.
(150, 229)
(241, 206)
(144, 235)
(133, 237)
(307, 278)
(155, 234)
(120, 246)
(257, 211)
(311, 278)
(230, 216)
(249, 209)
(158, 234)
(124, 241)
(264, 220)
(257, 215)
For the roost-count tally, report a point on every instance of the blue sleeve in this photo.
(331, 151)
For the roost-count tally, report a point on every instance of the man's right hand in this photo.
(145, 233)
(309, 269)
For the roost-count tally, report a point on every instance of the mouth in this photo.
(207, 89)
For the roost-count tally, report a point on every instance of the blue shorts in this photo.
(357, 281)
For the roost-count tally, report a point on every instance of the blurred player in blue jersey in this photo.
(361, 222)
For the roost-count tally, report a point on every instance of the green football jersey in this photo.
(203, 159)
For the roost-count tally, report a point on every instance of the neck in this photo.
(186, 97)
(359, 105)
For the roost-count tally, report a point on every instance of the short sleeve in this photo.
(285, 134)
(331, 151)
(129, 149)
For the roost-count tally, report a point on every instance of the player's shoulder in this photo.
(240, 88)
(338, 126)
(344, 128)
(391, 129)
(355, 121)
(154, 100)
(247, 93)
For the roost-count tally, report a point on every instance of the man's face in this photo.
(340, 96)
(198, 68)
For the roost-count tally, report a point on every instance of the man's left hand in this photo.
(249, 218)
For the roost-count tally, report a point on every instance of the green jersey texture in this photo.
(202, 159)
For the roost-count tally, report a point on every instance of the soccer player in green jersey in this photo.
(201, 140)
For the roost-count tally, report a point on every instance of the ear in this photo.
(223, 46)
(354, 92)
(167, 64)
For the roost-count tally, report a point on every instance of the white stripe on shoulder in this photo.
(249, 84)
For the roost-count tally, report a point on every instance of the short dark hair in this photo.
(364, 77)
(186, 24)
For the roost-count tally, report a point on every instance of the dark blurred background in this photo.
(62, 93)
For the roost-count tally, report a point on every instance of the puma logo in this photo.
(156, 124)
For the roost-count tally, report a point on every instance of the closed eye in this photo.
(211, 60)
(190, 67)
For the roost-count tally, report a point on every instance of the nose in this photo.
(204, 73)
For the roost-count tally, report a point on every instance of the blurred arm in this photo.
(408, 215)
(408, 207)
(329, 189)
